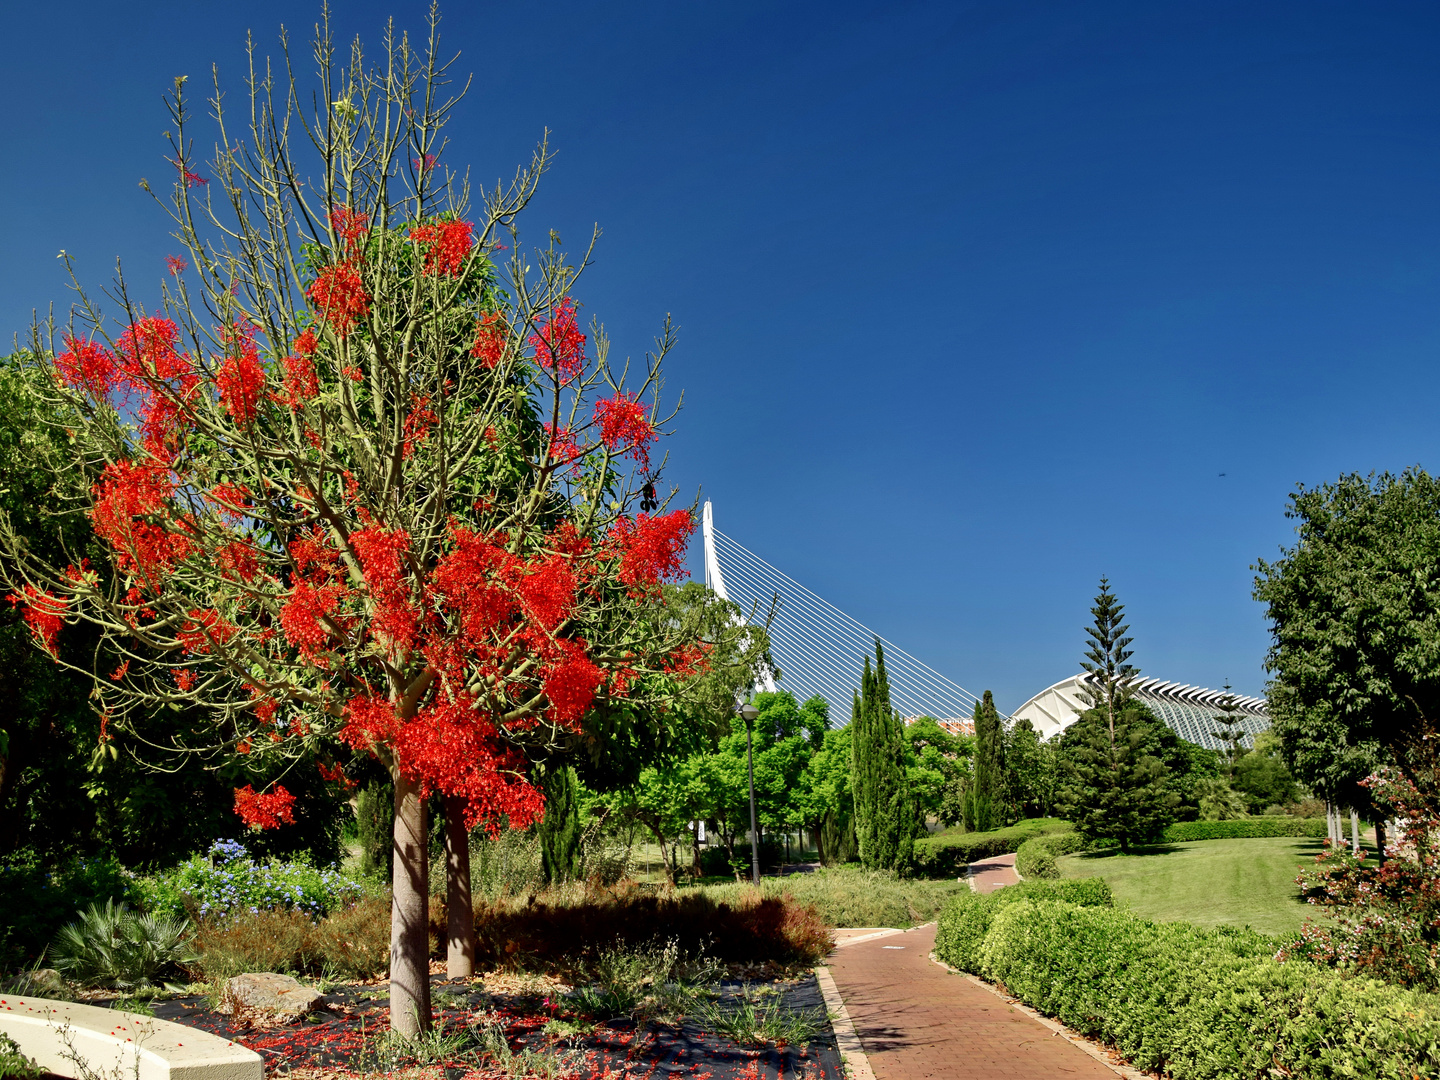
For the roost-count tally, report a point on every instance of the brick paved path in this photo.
(916, 1020)
(991, 874)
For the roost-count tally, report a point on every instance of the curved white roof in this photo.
(1189, 710)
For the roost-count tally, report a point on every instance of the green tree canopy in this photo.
(1354, 611)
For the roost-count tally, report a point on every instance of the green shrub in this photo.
(111, 945)
(1244, 828)
(38, 900)
(1199, 1004)
(966, 920)
(947, 854)
(853, 896)
(1035, 858)
(227, 883)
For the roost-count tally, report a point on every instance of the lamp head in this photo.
(748, 712)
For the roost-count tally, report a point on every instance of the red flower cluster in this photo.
(203, 629)
(176, 265)
(350, 228)
(490, 334)
(86, 366)
(625, 427)
(559, 345)
(241, 378)
(651, 550)
(446, 245)
(341, 297)
(125, 500)
(44, 613)
(190, 179)
(265, 811)
(563, 447)
(418, 422)
(394, 623)
(298, 382)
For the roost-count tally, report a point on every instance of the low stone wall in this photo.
(54, 1033)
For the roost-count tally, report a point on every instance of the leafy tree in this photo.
(935, 766)
(884, 818)
(1262, 778)
(1231, 730)
(1030, 770)
(1354, 611)
(828, 796)
(352, 491)
(1114, 783)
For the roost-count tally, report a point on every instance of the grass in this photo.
(1208, 883)
(850, 896)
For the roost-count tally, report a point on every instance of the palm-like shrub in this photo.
(112, 945)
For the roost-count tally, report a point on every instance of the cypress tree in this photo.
(884, 815)
(560, 827)
(1232, 731)
(989, 783)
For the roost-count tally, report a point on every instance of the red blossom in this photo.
(382, 560)
(651, 549)
(335, 775)
(625, 427)
(204, 629)
(241, 378)
(185, 679)
(125, 500)
(176, 265)
(150, 364)
(190, 179)
(299, 383)
(563, 447)
(307, 343)
(87, 366)
(340, 296)
(490, 335)
(260, 810)
(44, 613)
(423, 164)
(559, 345)
(350, 229)
(571, 684)
(301, 615)
(446, 245)
(418, 423)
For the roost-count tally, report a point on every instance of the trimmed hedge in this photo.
(1200, 1004)
(1036, 858)
(961, 929)
(947, 854)
(1244, 828)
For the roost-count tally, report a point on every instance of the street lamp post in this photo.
(748, 713)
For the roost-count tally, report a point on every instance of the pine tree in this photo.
(1111, 678)
(1114, 786)
(1231, 732)
(862, 755)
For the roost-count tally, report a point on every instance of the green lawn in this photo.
(1208, 882)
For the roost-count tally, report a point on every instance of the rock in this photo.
(41, 983)
(278, 994)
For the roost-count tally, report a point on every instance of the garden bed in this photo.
(506, 1025)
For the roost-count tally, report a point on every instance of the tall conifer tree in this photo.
(989, 784)
(884, 816)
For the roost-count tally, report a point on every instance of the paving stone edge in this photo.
(857, 1065)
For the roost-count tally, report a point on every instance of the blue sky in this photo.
(977, 301)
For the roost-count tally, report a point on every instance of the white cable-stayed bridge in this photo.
(818, 648)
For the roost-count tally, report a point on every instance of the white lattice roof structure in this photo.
(1189, 711)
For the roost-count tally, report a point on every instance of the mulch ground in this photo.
(339, 1040)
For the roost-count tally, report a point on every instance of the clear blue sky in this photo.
(977, 301)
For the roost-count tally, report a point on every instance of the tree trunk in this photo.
(460, 937)
(1354, 834)
(409, 936)
(1380, 841)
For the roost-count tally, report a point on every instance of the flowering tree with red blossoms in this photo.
(358, 485)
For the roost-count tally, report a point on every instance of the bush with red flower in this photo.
(1383, 918)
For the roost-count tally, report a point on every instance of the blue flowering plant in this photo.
(226, 882)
